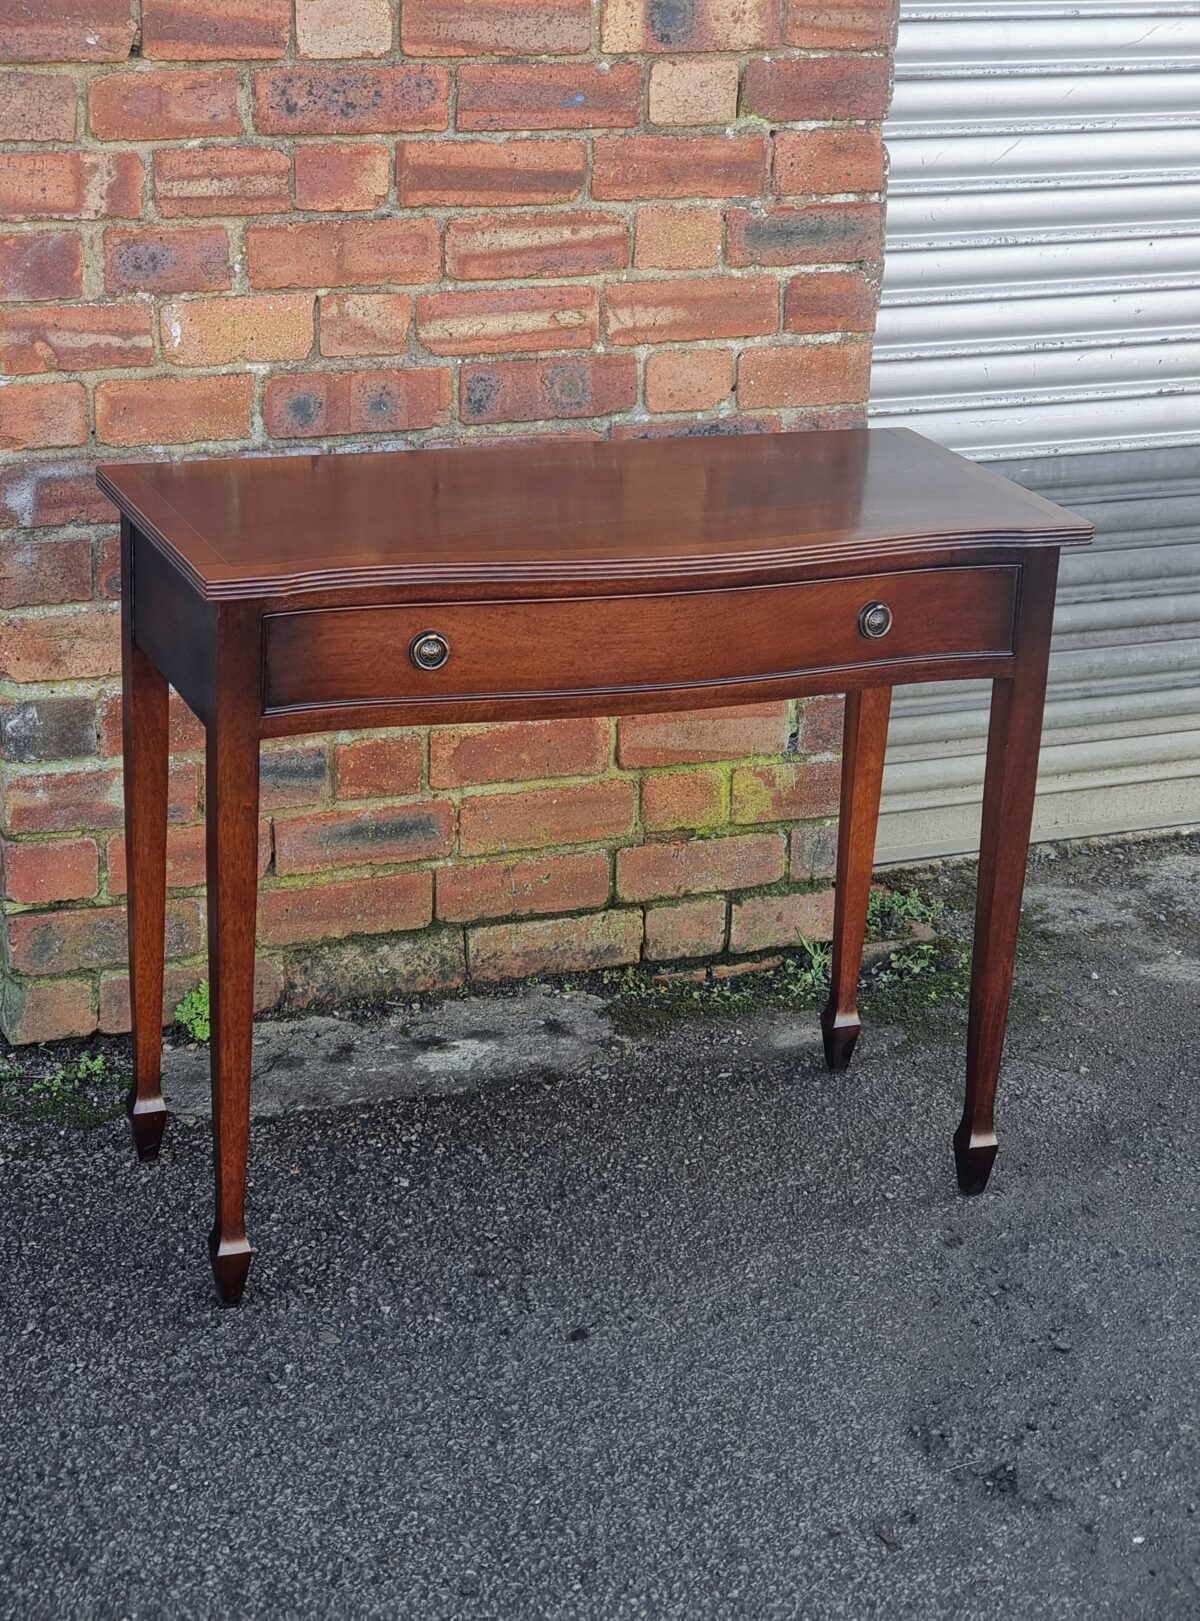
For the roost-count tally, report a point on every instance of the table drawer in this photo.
(524, 648)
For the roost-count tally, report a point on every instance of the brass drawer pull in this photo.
(875, 620)
(429, 651)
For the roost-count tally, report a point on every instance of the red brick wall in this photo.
(229, 225)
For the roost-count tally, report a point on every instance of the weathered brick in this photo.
(679, 799)
(678, 238)
(821, 722)
(814, 851)
(489, 173)
(694, 866)
(48, 494)
(46, 1010)
(681, 311)
(390, 834)
(200, 181)
(516, 751)
(804, 374)
(345, 176)
(554, 945)
(703, 734)
(829, 301)
(570, 813)
(174, 410)
(800, 234)
(37, 572)
(45, 264)
(498, 247)
(74, 337)
(75, 645)
(828, 160)
(158, 106)
(314, 404)
(337, 28)
(786, 89)
(550, 95)
(841, 25)
(63, 942)
(785, 793)
(82, 31)
(343, 253)
(571, 882)
(548, 390)
(37, 416)
(70, 185)
(47, 728)
(374, 969)
(385, 904)
(379, 767)
(653, 166)
(292, 774)
(221, 331)
(689, 25)
(688, 929)
(43, 872)
(186, 862)
(167, 259)
(215, 30)
(694, 92)
(365, 323)
(497, 323)
(496, 27)
(758, 922)
(688, 379)
(177, 982)
(37, 107)
(63, 801)
(351, 100)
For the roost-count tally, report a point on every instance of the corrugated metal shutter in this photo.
(1041, 309)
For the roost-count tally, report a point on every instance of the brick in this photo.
(51, 493)
(67, 31)
(688, 380)
(215, 30)
(46, 264)
(504, 322)
(385, 904)
(688, 929)
(814, 851)
(365, 323)
(37, 416)
(46, 1010)
(460, 174)
(570, 813)
(821, 725)
(158, 106)
(694, 92)
(374, 969)
(516, 751)
(679, 311)
(689, 25)
(174, 410)
(47, 728)
(548, 390)
(800, 234)
(63, 801)
(496, 27)
(351, 100)
(343, 177)
(70, 185)
(549, 95)
(558, 945)
(34, 573)
(108, 566)
(783, 793)
(167, 259)
(343, 253)
(828, 160)
(678, 238)
(759, 922)
(74, 337)
(336, 28)
(77, 645)
(841, 25)
(496, 247)
(177, 982)
(656, 166)
(314, 404)
(37, 107)
(786, 89)
(829, 301)
(804, 374)
(222, 180)
(379, 767)
(694, 866)
(702, 735)
(186, 861)
(63, 942)
(43, 872)
(292, 775)
(679, 799)
(573, 882)
(390, 834)
(221, 331)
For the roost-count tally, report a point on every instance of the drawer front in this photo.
(546, 646)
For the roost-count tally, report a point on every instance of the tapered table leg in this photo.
(1010, 783)
(231, 811)
(145, 748)
(863, 748)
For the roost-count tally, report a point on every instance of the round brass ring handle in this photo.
(429, 650)
(875, 620)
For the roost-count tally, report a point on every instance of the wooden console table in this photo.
(306, 593)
